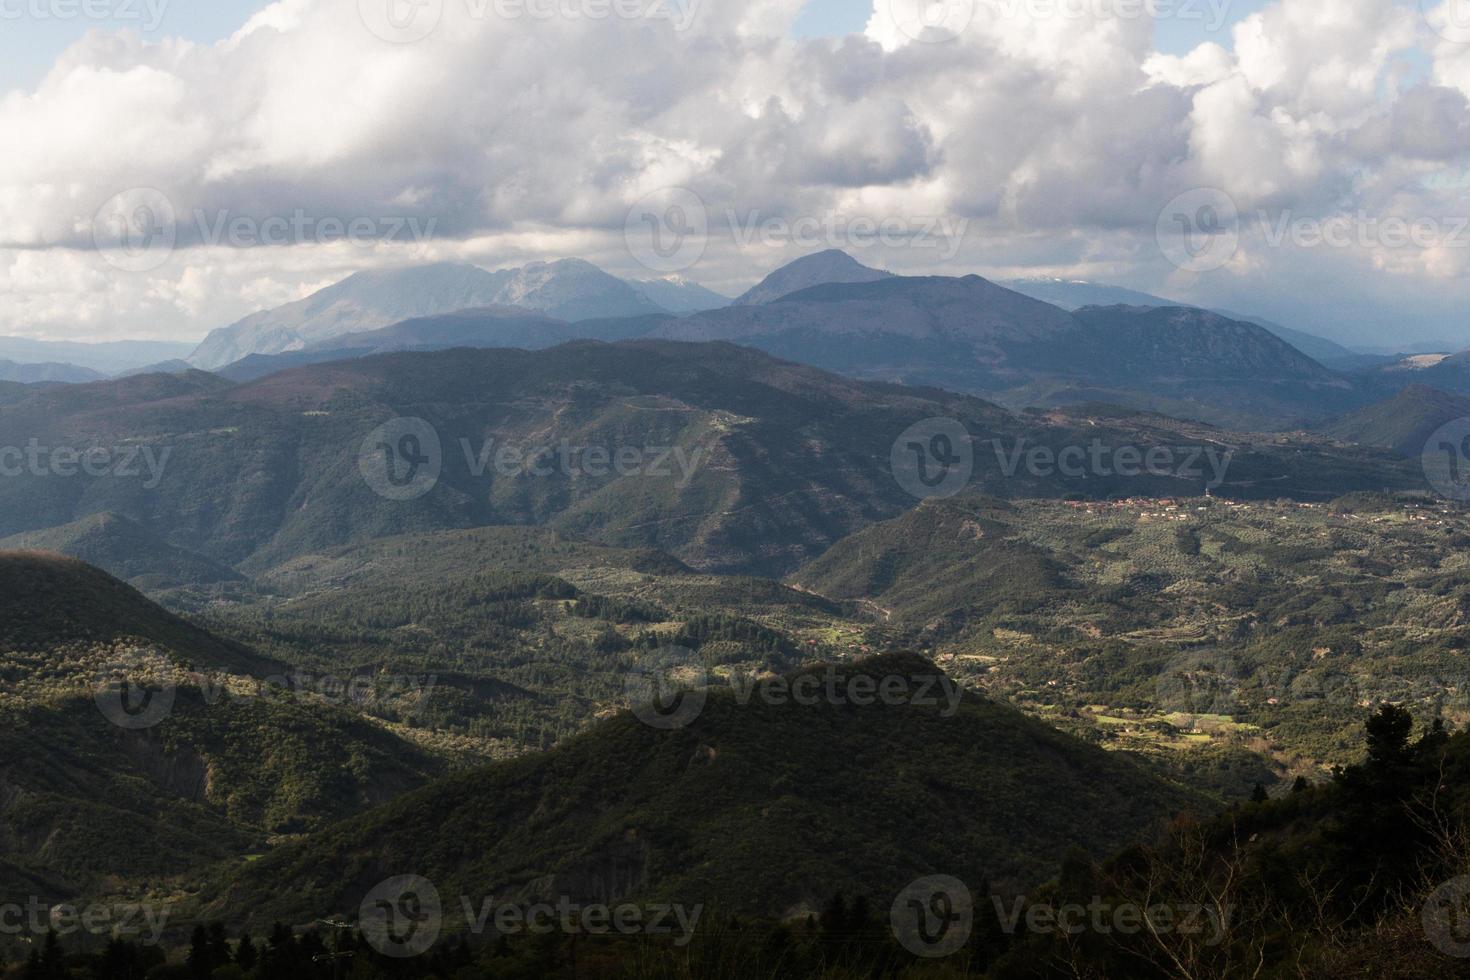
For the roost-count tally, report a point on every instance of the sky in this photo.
(1305, 160)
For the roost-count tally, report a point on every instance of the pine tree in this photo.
(245, 953)
(53, 960)
(198, 961)
(219, 946)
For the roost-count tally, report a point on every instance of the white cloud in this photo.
(1058, 137)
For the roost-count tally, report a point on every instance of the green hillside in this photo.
(743, 463)
(209, 751)
(124, 549)
(1272, 626)
(758, 807)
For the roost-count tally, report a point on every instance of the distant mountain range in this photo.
(779, 460)
(40, 373)
(1073, 294)
(971, 335)
(965, 334)
(107, 358)
(569, 290)
(1037, 342)
(1402, 423)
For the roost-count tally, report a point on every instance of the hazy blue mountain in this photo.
(105, 358)
(1402, 423)
(175, 366)
(1073, 294)
(833, 265)
(972, 335)
(679, 295)
(126, 550)
(569, 289)
(491, 327)
(37, 373)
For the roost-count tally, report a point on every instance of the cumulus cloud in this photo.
(1053, 132)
